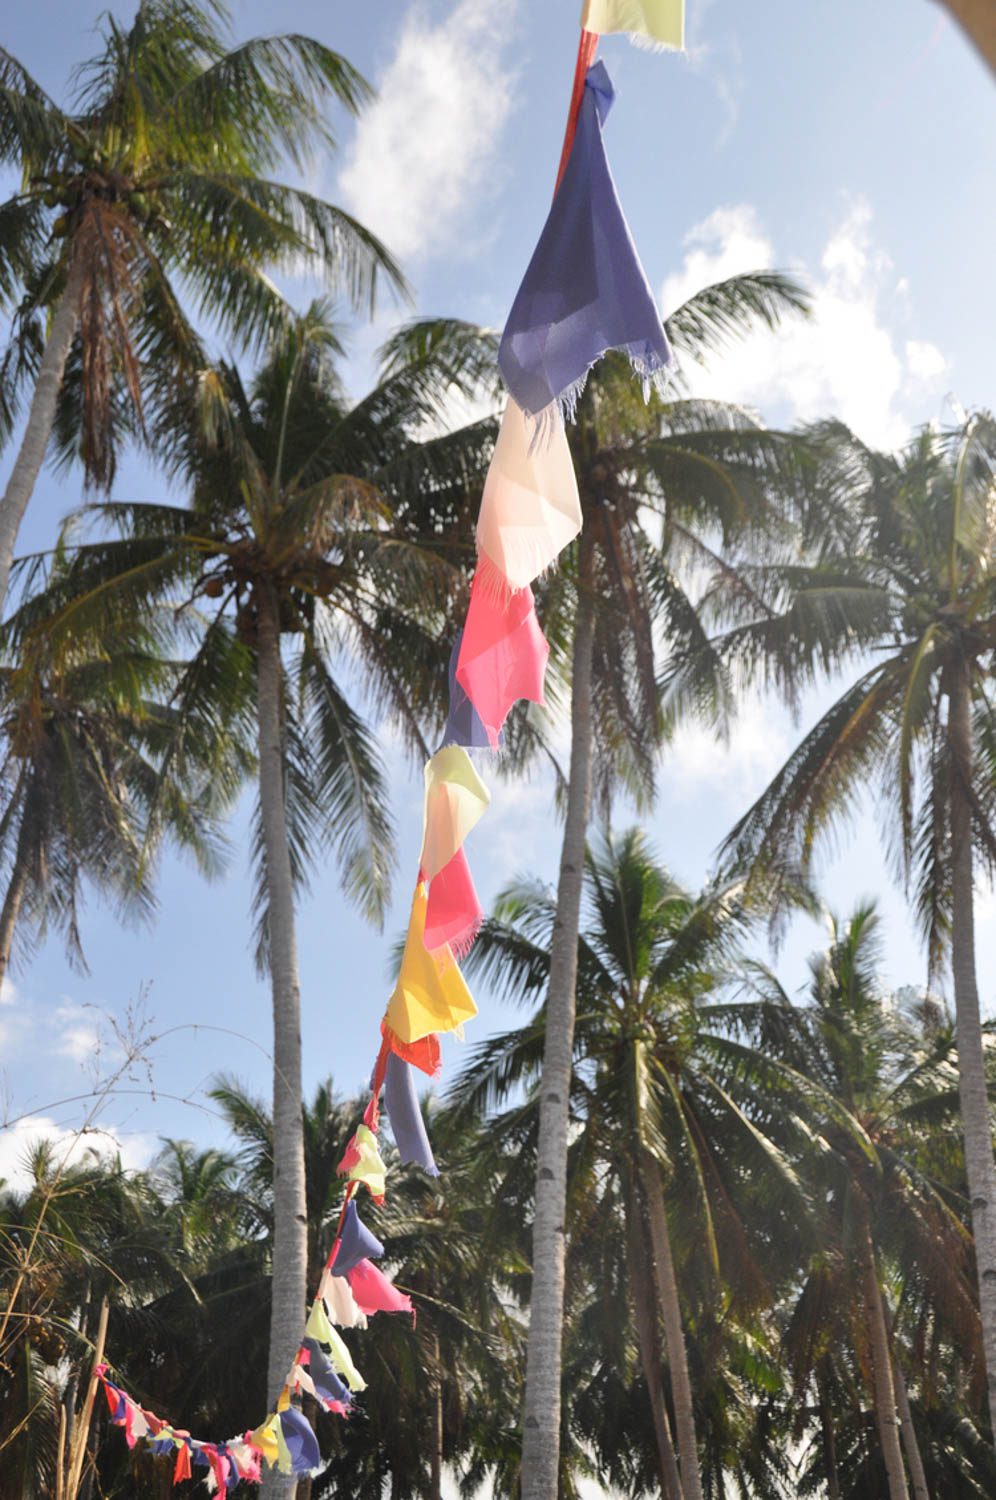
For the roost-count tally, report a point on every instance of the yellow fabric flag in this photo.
(455, 799)
(265, 1439)
(659, 23)
(362, 1162)
(430, 994)
(342, 1361)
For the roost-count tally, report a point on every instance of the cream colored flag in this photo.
(530, 510)
(658, 23)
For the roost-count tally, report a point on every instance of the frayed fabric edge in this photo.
(654, 377)
(651, 44)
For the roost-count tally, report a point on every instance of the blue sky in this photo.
(854, 144)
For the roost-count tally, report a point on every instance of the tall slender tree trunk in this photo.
(975, 1116)
(541, 1423)
(290, 1224)
(911, 1443)
(666, 1283)
(41, 416)
(886, 1417)
(11, 911)
(648, 1338)
(436, 1455)
(829, 1443)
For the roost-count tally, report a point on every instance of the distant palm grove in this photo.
(780, 1235)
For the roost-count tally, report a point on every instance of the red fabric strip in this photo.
(587, 47)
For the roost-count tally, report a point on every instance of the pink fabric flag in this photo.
(454, 914)
(530, 509)
(503, 654)
(374, 1292)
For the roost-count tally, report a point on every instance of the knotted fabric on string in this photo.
(430, 995)
(455, 800)
(655, 23)
(503, 654)
(405, 1115)
(584, 291)
(530, 508)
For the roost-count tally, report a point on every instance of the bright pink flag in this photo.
(454, 914)
(373, 1292)
(503, 653)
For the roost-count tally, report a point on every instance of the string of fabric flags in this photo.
(584, 293)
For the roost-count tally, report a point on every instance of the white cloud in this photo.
(424, 151)
(8, 992)
(843, 361)
(734, 770)
(72, 1146)
(924, 361)
(78, 1032)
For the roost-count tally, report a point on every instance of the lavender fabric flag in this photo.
(356, 1243)
(302, 1444)
(326, 1381)
(405, 1115)
(584, 291)
(463, 726)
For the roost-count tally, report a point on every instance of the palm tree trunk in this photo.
(674, 1333)
(541, 1430)
(911, 1443)
(885, 1394)
(290, 1223)
(976, 1123)
(16, 887)
(829, 1444)
(41, 416)
(651, 1354)
(977, 19)
(436, 1455)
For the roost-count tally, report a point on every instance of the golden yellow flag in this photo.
(430, 994)
(659, 23)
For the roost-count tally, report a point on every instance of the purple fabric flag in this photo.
(356, 1243)
(302, 1445)
(327, 1382)
(405, 1115)
(584, 291)
(463, 725)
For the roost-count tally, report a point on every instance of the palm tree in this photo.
(658, 482)
(661, 1148)
(876, 1083)
(291, 535)
(905, 575)
(87, 732)
(153, 185)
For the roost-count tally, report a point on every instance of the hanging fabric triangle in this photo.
(453, 915)
(361, 1162)
(423, 1054)
(455, 800)
(374, 1292)
(430, 995)
(356, 1242)
(339, 1300)
(530, 510)
(503, 654)
(584, 291)
(658, 23)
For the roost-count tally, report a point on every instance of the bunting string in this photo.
(583, 293)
